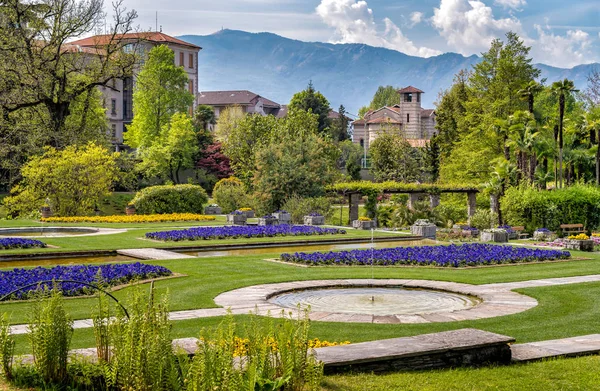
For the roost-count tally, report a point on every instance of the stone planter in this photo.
(236, 219)
(267, 221)
(130, 210)
(46, 212)
(283, 217)
(426, 231)
(513, 235)
(496, 237)
(474, 233)
(544, 236)
(360, 224)
(580, 245)
(314, 220)
(213, 210)
(248, 213)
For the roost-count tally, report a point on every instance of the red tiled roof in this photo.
(155, 36)
(359, 122)
(283, 111)
(384, 120)
(409, 89)
(224, 98)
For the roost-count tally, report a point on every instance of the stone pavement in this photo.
(152, 254)
(566, 347)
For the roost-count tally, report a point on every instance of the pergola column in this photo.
(434, 200)
(471, 204)
(412, 199)
(353, 207)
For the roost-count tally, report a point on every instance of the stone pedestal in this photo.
(353, 207)
(248, 213)
(412, 199)
(360, 224)
(471, 232)
(426, 231)
(314, 220)
(213, 210)
(283, 217)
(496, 237)
(267, 221)
(236, 219)
(434, 200)
(580, 245)
(471, 205)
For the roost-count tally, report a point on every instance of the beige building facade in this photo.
(407, 116)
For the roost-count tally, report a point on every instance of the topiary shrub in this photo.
(230, 194)
(170, 199)
(484, 219)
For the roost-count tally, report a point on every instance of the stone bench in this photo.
(464, 347)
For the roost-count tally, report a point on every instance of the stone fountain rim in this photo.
(495, 300)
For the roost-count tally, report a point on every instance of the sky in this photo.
(562, 33)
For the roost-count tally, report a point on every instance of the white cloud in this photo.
(354, 23)
(415, 18)
(514, 4)
(568, 50)
(469, 25)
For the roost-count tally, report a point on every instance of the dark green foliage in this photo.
(311, 100)
(299, 207)
(531, 208)
(170, 199)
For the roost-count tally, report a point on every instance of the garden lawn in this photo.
(135, 238)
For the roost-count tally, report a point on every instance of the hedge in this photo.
(366, 187)
(532, 208)
(170, 199)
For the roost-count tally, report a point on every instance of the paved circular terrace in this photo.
(495, 300)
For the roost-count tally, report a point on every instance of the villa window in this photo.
(181, 63)
(362, 143)
(408, 97)
(113, 106)
(407, 118)
(191, 60)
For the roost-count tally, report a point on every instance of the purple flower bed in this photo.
(112, 274)
(475, 254)
(234, 232)
(8, 243)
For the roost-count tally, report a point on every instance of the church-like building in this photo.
(407, 116)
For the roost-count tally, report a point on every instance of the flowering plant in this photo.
(156, 218)
(245, 209)
(270, 217)
(281, 211)
(237, 212)
(110, 274)
(475, 254)
(423, 223)
(467, 228)
(8, 243)
(364, 218)
(213, 205)
(207, 233)
(579, 237)
(496, 230)
(543, 230)
(506, 228)
(315, 214)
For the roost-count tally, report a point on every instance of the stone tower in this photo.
(410, 110)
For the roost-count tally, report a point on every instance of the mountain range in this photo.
(276, 67)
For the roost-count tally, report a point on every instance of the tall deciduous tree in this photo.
(311, 100)
(339, 126)
(160, 92)
(393, 158)
(384, 96)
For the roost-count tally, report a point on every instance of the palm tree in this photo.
(522, 136)
(529, 92)
(562, 89)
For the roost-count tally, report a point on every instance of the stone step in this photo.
(565, 347)
(152, 254)
(428, 351)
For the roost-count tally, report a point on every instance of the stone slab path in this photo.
(152, 254)
(566, 347)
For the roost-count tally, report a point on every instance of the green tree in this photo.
(384, 96)
(160, 92)
(393, 158)
(562, 89)
(529, 92)
(339, 127)
(311, 100)
(450, 112)
(74, 180)
(204, 116)
(171, 151)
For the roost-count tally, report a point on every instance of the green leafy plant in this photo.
(170, 199)
(230, 194)
(298, 207)
(7, 348)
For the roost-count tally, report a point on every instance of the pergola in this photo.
(355, 190)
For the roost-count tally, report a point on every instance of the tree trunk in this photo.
(561, 114)
(532, 167)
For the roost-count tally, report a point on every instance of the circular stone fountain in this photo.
(378, 301)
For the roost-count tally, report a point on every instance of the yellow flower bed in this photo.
(363, 218)
(596, 234)
(241, 345)
(245, 209)
(130, 219)
(579, 237)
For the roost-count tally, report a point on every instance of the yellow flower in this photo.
(579, 237)
(156, 218)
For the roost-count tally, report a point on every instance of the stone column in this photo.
(412, 199)
(434, 200)
(353, 207)
(471, 204)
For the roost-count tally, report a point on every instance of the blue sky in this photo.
(562, 33)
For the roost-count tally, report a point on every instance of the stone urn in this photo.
(236, 218)
(363, 224)
(499, 236)
(267, 220)
(314, 220)
(213, 210)
(130, 210)
(579, 245)
(46, 212)
(425, 230)
(283, 217)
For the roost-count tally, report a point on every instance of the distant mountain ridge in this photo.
(276, 67)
